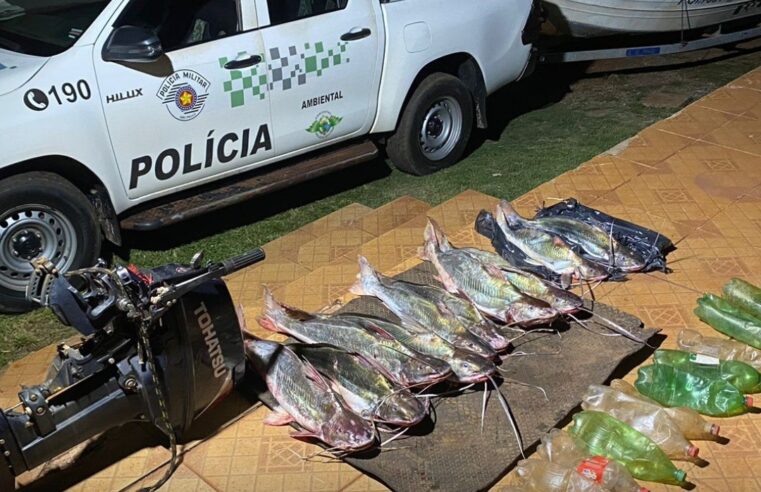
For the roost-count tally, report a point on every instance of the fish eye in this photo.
(465, 365)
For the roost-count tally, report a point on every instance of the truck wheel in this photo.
(435, 126)
(42, 214)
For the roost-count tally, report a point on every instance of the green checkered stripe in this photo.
(293, 66)
(245, 82)
(284, 69)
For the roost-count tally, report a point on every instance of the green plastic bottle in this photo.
(606, 436)
(674, 387)
(738, 374)
(744, 295)
(729, 320)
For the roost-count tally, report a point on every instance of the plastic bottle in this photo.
(674, 387)
(565, 449)
(729, 320)
(744, 295)
(721, 348)
(692, 424)
(606, 436)
(738, 374)
(543, 476)
(648, 418)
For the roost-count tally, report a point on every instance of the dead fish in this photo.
(364, 389)
(413, 309)
(527, 283)
(547, 250)
(459, 271)
(305, 398)
(594, 241)
(465, 312)
(395, 360)
(467, 366)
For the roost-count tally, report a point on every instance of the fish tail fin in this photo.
(435, 235)
(422, 253)
(367, 279)
(275, 316)
(507, 213)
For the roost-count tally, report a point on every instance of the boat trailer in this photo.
(709, 41)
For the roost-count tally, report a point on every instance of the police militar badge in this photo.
(184, 94)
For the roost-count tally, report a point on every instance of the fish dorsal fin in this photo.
(314, 376)
(494, 271)
(414, 327)
(377, 330)
(361, 360)
(444, 309)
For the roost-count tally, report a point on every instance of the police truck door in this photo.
(199, 111)
(324, 60)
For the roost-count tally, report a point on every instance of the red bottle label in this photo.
(593, 468)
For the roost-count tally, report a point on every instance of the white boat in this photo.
(594, 18)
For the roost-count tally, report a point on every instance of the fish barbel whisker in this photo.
(521, 353)
(508, 413)
(651, 275)
(584, 325)
(448, 393)
(538, 330)
(321, 453)
(528, 385)
(620, 329)
(483, 408)
(394, 437)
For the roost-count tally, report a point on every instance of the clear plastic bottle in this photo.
(609, 437)
(543, 476)
(673, 387)
(739, 374)
(565, 449)
(720, 348)
(691, 423)
(648, 418)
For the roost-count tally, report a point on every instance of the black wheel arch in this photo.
(464, 67)
(82, 178)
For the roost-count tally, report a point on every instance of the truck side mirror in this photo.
(132, 44)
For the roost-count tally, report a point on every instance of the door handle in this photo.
(355, 34)
(249, 61)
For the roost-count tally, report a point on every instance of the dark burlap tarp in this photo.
(449, 451)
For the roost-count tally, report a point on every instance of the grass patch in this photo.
(539, 128)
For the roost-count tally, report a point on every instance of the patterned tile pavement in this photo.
(695, 176)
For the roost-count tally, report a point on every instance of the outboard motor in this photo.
(159, 346)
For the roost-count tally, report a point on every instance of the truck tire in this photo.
(42, 214)
(435, 126)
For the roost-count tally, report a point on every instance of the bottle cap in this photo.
(680, 475)
(693, 451)
(748, 401)
(715, 429)
(643, 489)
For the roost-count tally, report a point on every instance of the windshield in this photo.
(45, 27)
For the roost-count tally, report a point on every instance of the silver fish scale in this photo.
(542, 247)
(589, 238)
(389, 353)
(483, 289)
(298, 394)
(460, 307)
(350, 373)
(405, 303)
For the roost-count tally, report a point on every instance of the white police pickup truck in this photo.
(133, 114)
